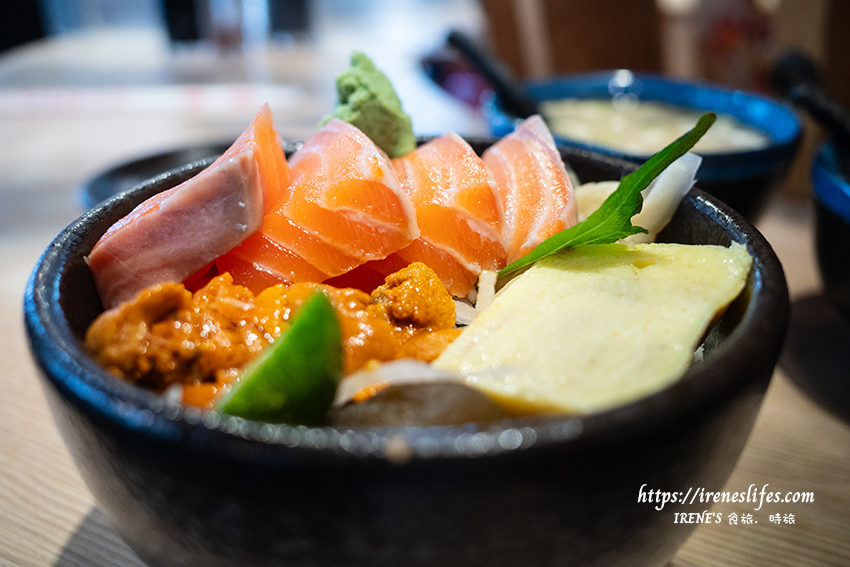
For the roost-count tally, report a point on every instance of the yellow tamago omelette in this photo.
(598, 326)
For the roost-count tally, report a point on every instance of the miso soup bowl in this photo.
(184, 486)
(744, 180)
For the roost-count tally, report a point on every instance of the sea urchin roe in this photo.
(428, 346)
(414, 296)
(167, 335)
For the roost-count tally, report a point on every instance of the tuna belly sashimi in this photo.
(343, 208)
(457, 209)
(177, 232)
(533, 186)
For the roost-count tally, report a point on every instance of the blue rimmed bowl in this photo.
(184, 486)
(831, 191)
(742, 179)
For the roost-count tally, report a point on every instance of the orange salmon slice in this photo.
(459, 214)
(370, 275)
(342, 208)
(346, 193)
(260, 262)
(454, 275)
(174, 234)
(457, 278)
(533, 186)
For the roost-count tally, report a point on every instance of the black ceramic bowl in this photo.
(831, 191)
(190, 487)
(744, 180)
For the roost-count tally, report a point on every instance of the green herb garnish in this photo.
(613, 219)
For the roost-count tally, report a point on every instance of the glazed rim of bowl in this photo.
(70, 369)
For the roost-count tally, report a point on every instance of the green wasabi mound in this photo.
(366, 99)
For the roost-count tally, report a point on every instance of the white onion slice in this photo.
(404, 371)
(486, 289)
(465, 312)
(665, 194)
(661, 198)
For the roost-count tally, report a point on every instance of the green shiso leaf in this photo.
(613, 219)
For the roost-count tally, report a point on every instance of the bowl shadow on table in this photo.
(96, 543)
(816, 357)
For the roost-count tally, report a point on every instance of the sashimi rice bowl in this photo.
(382, 349)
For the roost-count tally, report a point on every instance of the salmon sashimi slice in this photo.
(370, 275)
(271, 252)
(261, 262)
(280, 249)
(457, 210)
(326, 258)
(455, 275)
(346, 193)
(533, 186)
(342, 208)
(174, 234)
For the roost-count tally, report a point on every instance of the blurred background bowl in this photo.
(184, 486)
(831, 193)
(744, 180)
(126, 176)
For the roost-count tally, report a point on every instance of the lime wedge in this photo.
(295, 379)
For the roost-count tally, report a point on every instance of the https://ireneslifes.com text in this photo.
(765, 499)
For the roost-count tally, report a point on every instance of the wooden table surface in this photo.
(71, 107)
